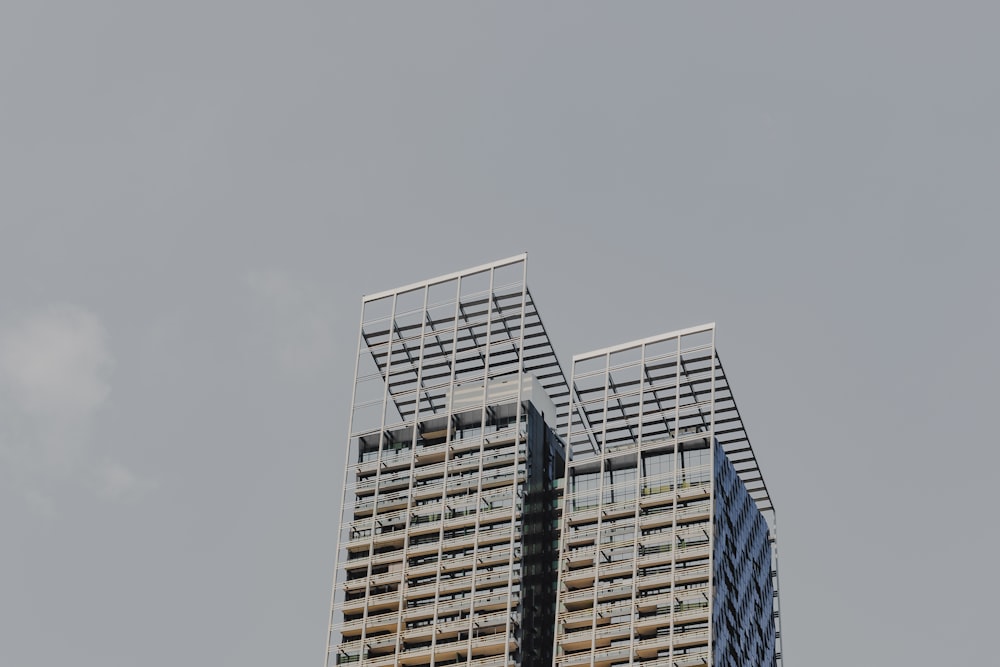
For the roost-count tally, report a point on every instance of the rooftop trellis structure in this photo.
(655, 445)
(453, 329)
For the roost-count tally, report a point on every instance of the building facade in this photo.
(493, 517)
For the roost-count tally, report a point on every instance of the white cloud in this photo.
(53, 362)
(54, 367)
(299, 321)
(115, 481)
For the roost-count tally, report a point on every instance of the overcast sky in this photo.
(195, 195)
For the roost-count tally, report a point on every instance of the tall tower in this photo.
(496, 515)
(667, 558)
(448, 526)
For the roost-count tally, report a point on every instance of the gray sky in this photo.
(195, 195)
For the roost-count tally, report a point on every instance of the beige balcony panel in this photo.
(691, 615)
(614, 592)
(577, 557)
(394, 539)
(621, 568)
(423, 633)
(576, 538)
(576, 517)
(619, 509)
(493, 644)
(649, 623)
(381, 661)
(582, 617)
(579, 578)
(576, 641)
(692, 638)
(431, 454)
(490, 661)
(603, 636)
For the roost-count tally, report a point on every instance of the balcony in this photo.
(618, 509)
(577, 514)
(501, 533)
(429, 454)
(577, 619)
(695, 598)
(690, 638)
(495, 601)
(353, 585)
(436, 453)
(618, 568)
(491, 479)
(386, 502)
(581, 577)
(663, 490)
(387, 481)
(577, 538)
(459, 584)
(679, 576)
(576, 558)
(668, 554)
(381, 661)
(431, 523)
(392, 538)
(601, 657)
(370, 643)
(603, 636)
(699, 659)
(489, 461)
(374, 602)
(576, 641)
(393, 576)
(388, 558)
(491, 661)
(451, 629)
(579, 599)
(391, 518)
(665, 517)
(375, 623)
(387, 463)
(483, 559)
(652, 622)
(490, 619)
(652, 648)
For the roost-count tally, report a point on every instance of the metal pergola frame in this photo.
(464, 335)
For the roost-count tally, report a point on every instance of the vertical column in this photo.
(449, 430)
(386, 394)
(415, 416)
(637, 518)
(484, 352)
(330, 646)
(674, 486)
(517, 491)
(711, 494)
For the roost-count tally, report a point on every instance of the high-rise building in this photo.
(449, 526)
(666, 558)
(493, 517)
